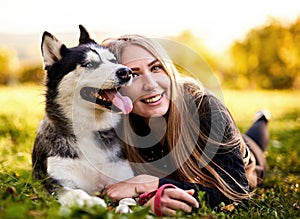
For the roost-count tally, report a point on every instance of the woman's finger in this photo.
(168, 211)
(174, 204)
(183, 196)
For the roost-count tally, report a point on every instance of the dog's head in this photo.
(88, 71)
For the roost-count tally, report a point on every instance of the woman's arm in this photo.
(184, 197)
(131, 187)
(172, 199)
(137, 185)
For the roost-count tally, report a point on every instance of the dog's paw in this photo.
(124, 204)
(79, 198)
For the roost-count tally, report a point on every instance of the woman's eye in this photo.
(156, 68)
(134, 75)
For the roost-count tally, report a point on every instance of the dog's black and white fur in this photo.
(76, 151)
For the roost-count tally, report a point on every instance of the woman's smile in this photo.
(154, 99)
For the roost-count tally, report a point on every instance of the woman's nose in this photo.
(150, 83)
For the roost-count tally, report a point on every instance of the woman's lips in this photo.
(153, 99)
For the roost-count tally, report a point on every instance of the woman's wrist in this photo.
(147, 183)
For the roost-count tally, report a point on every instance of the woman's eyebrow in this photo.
(135, 69)
(151, 63)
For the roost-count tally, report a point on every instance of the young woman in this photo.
(179, 138)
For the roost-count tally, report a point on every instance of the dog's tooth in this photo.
(98, 96)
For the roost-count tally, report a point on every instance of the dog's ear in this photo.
(84, 36)
(52, 49)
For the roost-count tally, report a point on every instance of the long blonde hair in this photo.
(188, 152)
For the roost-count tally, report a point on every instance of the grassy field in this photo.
(21, 109)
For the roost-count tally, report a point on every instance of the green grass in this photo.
(21, 109)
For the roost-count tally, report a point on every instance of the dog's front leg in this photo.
(78, 198)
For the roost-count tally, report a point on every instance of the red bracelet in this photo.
(157, 198)
(143, 198)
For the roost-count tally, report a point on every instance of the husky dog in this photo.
(76, 151)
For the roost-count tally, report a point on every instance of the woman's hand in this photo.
(174, 199)
(131, 188)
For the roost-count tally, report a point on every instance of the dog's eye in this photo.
(87, 65)
(113, 61)
(90, 65)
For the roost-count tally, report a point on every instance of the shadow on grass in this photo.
(284, 149)
(279, 196)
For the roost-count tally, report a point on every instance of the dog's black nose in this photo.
(124, 74)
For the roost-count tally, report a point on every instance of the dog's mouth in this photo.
(109, 99)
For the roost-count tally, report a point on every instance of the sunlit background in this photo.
(217, 22)
(212, 28)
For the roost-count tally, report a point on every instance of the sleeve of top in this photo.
(230, 162)
(212, 196)
(226, 161)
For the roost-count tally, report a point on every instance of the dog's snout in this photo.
(124, 74)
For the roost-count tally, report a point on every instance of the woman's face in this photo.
(151, 86)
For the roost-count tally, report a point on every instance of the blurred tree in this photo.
(9, 66)
(269, 57)
(32, 73)
(192, 58)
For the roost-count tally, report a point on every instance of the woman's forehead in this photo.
(133, 53)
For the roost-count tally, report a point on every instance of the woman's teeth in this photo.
(153, 99)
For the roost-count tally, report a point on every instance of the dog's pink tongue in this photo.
(122, 102)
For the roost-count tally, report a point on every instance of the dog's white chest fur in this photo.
(92, 171)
